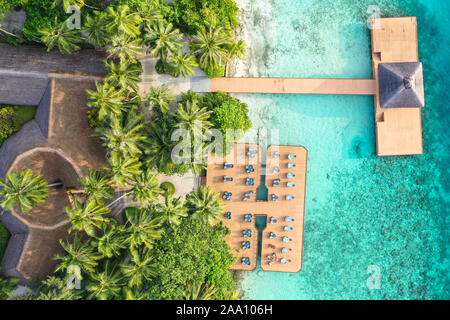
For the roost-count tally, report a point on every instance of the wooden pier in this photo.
(278, 210)
(398, 130)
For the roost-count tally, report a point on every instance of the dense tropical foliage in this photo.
(166, 247)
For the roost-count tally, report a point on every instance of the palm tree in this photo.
(190, 116)
(125, 48)
(87, 215)
(122, 137)
(149, 12)
(125, 75)
(163, 40)
(211, 47)
(59, 34)
(134, 294)
(111, 242)
(121, 21)
(105, 285)
(96, 185)
(159, 99)
(196, 291)
(205, 205)
(145, 187)
(54, 288)
(67, 3)
(141, 269)
(23, 189)
(106, 99)
(238, 49)
(80, 254)
(94, 27)
(183, 64)
(173, 210)
(143, 227)
(123, 169)
(159, 145)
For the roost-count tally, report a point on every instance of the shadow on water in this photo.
(261, 222)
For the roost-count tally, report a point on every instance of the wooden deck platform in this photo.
(295, 86)
(399, 130)
(279, 209)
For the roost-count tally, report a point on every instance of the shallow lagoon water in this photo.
(361, 210)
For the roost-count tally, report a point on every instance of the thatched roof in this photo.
(24, 70)
(401, 85)
(31, 76)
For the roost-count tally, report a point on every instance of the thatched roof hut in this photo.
(401, 85)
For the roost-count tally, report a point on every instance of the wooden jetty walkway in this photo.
(295, 86)
(398, 130)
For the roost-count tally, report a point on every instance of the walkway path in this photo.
(295, 86)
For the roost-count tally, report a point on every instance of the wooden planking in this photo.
(399, 130)
(278, 209)
(295, 86)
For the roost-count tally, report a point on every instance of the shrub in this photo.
(40, 14)
(192, 15)
(215, 71)
(193, 252)
(5, 5)
(4, 238)
(7, 123)
(168, 188)
(231, 115)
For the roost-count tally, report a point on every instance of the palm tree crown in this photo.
(80, 254)
(122, 137)
(105, 285)
(23, 189)
(141, 269)
(183, 64)
(159, 99)
(87, 215)
(205, 205)
(60, 35)
(125, 75)
(163, 40)
(143, 227)
(211, 47)
(96, 185)
(145, 187)
(173, 210)
(121, 21)
(106, 99)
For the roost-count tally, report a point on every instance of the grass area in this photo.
(22, 114)
(4, 237)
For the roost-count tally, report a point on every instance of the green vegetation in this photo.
(191, 16)
(168, 187)
(6, 5)
(12, 118)
(4, 238)
(170, 250)
(22, 189)
(6, 286)
(208, 262)
(162, 251)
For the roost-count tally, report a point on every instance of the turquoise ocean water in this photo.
(361, 210)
